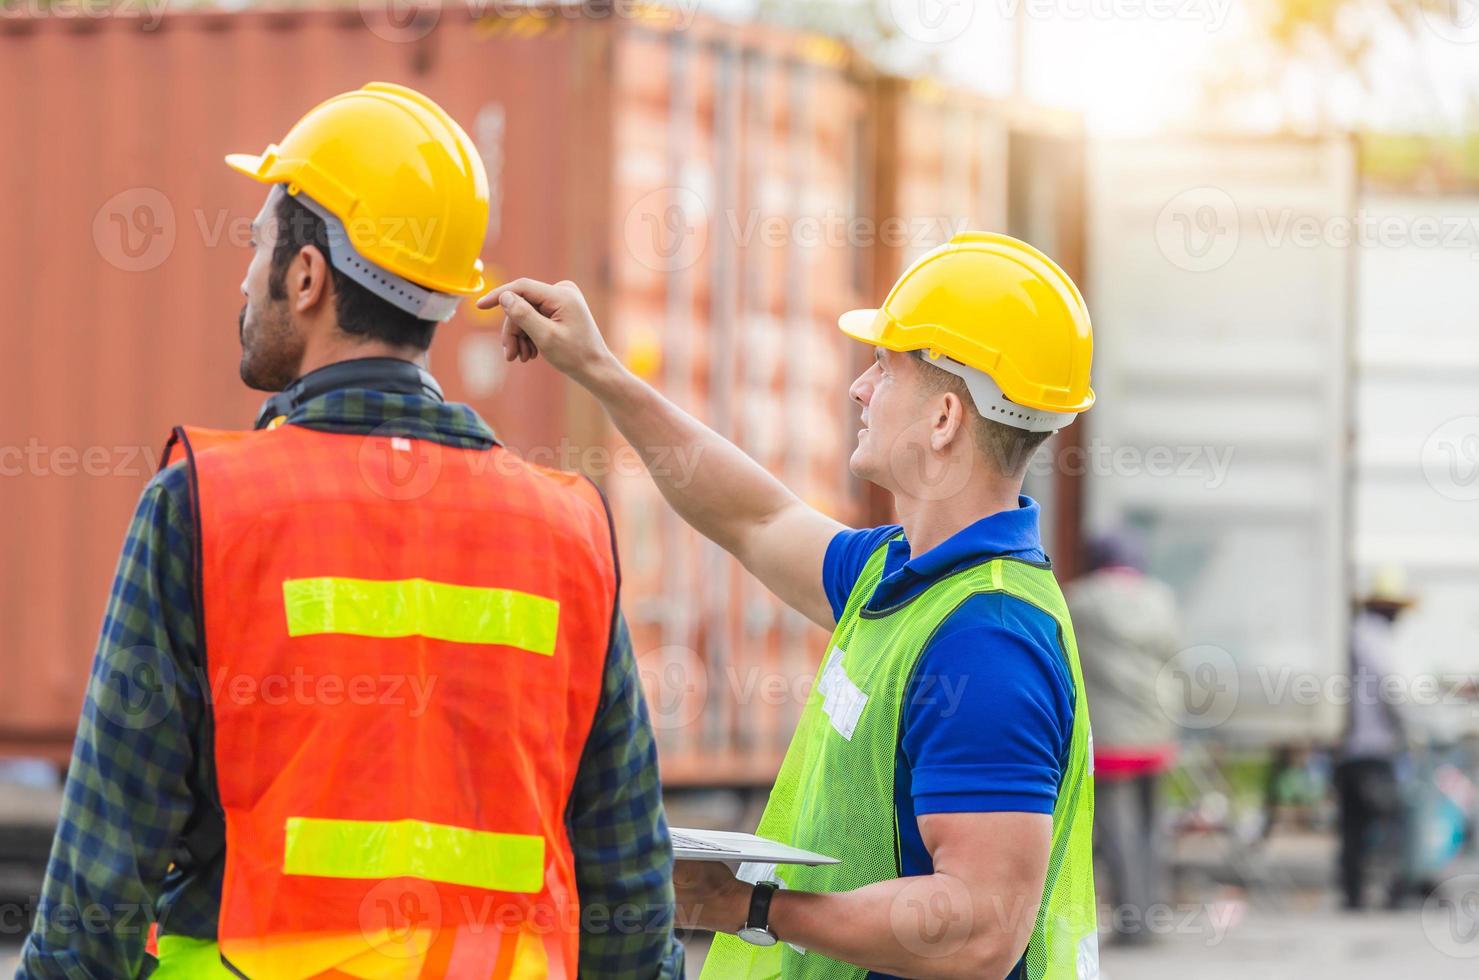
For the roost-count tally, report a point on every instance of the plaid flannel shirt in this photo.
(134, 825)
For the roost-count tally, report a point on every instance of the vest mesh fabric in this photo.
(373, 834)
(834, 793)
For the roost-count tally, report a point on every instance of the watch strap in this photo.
(759, 917)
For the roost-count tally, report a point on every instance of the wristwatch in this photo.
(756, 929)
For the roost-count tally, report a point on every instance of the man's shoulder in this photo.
(1000, 612)
(859, 543)
(847, 553)
(1003, 636)
(167, 494)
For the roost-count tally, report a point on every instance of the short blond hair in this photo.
(1008, 448)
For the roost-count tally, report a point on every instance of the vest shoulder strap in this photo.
(868, 578)
(186, 440)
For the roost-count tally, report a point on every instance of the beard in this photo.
(271, 350)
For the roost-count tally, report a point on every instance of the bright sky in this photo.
(1132, 66)
(1126, 64)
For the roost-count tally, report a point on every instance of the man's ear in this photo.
(308, 279)
(949, 423)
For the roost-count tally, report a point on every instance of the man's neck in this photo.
(336, 350)
(928, 522)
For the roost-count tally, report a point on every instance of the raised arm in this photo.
(725, 495)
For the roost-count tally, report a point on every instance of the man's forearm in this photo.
(128, 798)
(928, 927)
(722, 493)
(707, 479)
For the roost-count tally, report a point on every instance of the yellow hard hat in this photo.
(997, 305)
(1388, 587)
(403, 180)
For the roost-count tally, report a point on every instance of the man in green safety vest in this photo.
(944, 750)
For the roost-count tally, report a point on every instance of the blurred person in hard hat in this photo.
(364, 703)
(1370, 771)
(943, 752)
(1128, 630)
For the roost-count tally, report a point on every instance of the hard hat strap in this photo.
(996, 406)
(400, 292)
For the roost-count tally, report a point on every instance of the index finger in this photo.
(536, 292)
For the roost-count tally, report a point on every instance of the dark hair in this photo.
(1119, 547)
(360, 312)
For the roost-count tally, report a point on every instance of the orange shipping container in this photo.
(692, 177)
(739, 183)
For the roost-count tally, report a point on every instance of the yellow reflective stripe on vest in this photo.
(414, 849)
(418, 607)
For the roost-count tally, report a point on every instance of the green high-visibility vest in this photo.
(835, 790)
(184, 958)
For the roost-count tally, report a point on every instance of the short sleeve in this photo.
(847, 553)
(990, 712)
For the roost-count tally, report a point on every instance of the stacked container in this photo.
(721, 193)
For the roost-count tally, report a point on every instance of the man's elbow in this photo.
(999, 958)
(984, 957)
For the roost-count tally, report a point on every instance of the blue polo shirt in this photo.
(988, 715)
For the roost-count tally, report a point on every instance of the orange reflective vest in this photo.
(404, 644)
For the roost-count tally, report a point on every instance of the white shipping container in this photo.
(1220, 292)
(1417, 423)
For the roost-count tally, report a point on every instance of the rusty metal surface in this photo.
(128, 244)
(719, 191)
(122, 296)
(737, 179)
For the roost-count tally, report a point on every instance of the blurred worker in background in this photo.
(943, 752)
(1127, 632)
(364, 702)
(1367, 782)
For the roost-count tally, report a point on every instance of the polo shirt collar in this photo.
(1013, 533)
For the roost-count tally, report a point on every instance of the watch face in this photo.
(757, 937)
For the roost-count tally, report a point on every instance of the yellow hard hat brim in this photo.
(865, 325)
(247, 163)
